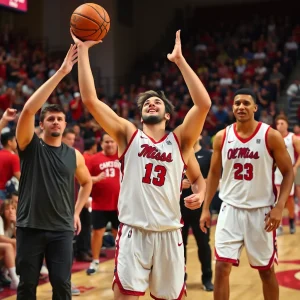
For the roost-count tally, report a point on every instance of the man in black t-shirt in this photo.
(46, 214)
(191, 218)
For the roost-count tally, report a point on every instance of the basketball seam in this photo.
(84, 16)
(98, 12)
(94, 30)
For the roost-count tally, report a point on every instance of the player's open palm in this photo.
(9, 115)
(87, 44)
(273, 219)
(205, 220)
(70, 60)
(176, 55)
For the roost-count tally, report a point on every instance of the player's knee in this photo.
(223, 268)
(8, 247)
(266, 275)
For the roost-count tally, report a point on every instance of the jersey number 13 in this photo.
(160, 175)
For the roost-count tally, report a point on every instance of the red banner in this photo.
(16, 4)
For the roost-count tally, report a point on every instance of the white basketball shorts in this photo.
(238, 227)
(149, 259)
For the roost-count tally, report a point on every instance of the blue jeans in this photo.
(2, 195)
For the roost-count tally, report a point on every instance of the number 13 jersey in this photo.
(151, 183)
(248, 169)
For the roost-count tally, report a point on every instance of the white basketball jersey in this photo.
(288, 140)
(151, 183)
(247, 179)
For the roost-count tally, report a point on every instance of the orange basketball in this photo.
(90, 22)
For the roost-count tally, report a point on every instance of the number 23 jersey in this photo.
(151, 183)
(248, 169)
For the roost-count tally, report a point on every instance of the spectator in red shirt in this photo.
(6, 99)
(105, 170)
(9, 161)
(76, 107)
(90, 148)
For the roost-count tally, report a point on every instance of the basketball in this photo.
(90, 22)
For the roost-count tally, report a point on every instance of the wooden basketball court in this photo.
(245, 282)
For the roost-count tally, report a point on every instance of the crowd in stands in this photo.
(259, 55)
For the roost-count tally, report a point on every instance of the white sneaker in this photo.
(93, 268)
(279, 231)
(44, 271)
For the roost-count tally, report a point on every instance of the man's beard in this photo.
(55, 134)
(152, 120)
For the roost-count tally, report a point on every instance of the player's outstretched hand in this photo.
(87, 44)
(205, 220)
(194, 201)
(176, 55)
(273, 219)
(70, 60)
(9, 115)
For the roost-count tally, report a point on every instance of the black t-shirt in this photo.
(203, 157)
(46, 191)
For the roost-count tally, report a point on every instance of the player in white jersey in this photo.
(149, 250)
(292, 144)
(248, 217)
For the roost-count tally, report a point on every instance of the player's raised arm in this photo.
(283, 161)
(213, 179)
(189, 130)
(118, 128)
(25, 126)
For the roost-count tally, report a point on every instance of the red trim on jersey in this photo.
(153, 140)
(266, 142)
(130, 141)
(273, 257)
(235, 262)
(273, 183)
(224, 137)
(177, 141)
(295, 151)
(250, 137)
(116, 277)
(183, 290)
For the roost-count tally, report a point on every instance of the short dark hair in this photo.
(7, 136)
(68, 130)
(103, 135)
(89, 143)
(281, 117)
(246, 91)
(50, 108)
(159, 94)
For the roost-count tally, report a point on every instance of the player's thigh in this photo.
(168, 263)
(134, 251)
(260, 244)
(229, 238)
(30, 253)
(100, 219)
